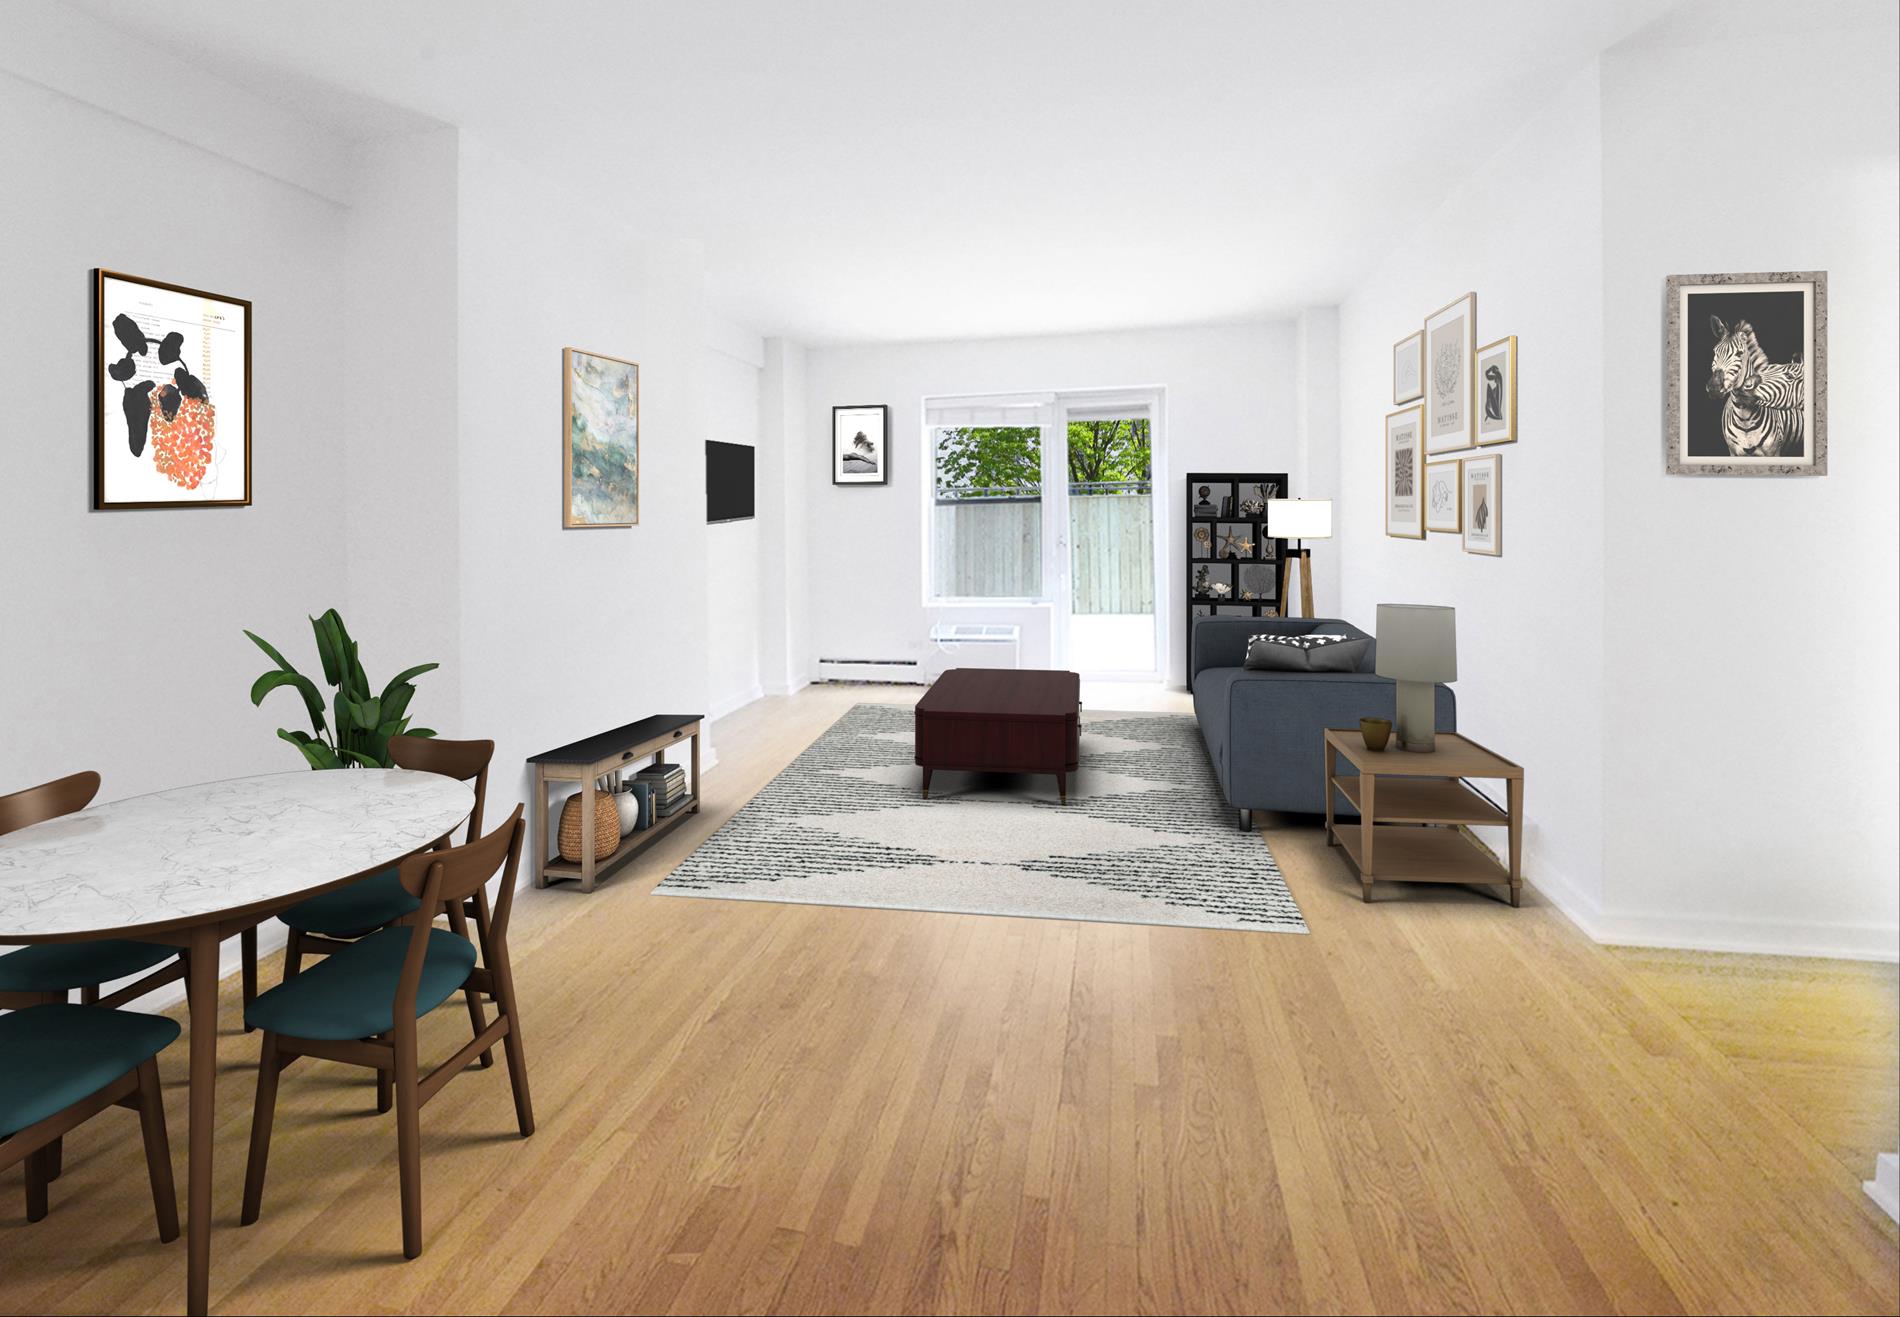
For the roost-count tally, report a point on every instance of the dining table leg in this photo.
(201, 996)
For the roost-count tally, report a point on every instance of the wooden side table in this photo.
(1413, 809)
(594, 757)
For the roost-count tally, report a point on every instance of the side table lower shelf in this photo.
(1426, 854)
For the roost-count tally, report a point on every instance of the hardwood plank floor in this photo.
(1434, 1103)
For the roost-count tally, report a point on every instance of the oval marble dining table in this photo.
(190, 867)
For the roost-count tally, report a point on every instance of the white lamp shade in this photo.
(1300, 518)
(1418, 642)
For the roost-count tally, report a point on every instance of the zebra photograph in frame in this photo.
(1747, 375)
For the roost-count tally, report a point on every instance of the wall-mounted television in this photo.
(728, 481)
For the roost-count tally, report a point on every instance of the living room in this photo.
(672, 397)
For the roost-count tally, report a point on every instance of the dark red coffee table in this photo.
(1001, 720)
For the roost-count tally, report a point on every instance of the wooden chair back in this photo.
(49, 800)
(465, 761)
(445, 879)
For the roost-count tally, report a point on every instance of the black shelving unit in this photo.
(1227, 542)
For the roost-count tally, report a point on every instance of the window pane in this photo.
(1111, 545)
(986, 529)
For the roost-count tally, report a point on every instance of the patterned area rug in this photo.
(1145, 838)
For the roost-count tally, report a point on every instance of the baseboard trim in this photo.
(733, 703)
(787, 687)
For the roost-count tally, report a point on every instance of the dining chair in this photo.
(360, 1005)
(47, 972)
(328, 922)
(61, 1065)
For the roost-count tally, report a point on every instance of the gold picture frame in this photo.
(1451, 342)
(1404, 471)
(1408, 362)
(1482, 480)
(607, 405)
(1435, 519)
(1501, 393)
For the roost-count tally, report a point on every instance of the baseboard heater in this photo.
(900, 672)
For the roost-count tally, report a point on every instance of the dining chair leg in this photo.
(478, 1021)
(384, 1087)
(409, 1139)
(268, 1069)
(36, 1179)
(158, 1151)
(55, 1158)
(89, 995)
(247, 944)
(511, 1044)
(293, 954)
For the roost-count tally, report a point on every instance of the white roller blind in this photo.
(1027, 409)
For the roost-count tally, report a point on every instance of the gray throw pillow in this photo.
(1320, 651)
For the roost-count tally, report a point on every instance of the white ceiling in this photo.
(901, 170)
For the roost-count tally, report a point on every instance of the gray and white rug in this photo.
(1145, 838)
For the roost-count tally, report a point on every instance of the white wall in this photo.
(1230, 398)
(1750, 623)
(785, 449)
(121, 633)
(730, 368)
(1524, 233)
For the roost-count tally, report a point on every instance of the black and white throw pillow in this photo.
(1319, 651)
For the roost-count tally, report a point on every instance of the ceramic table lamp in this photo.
(1298, 519)
(1418, 645)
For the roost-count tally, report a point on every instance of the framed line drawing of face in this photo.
(1494, 389)
(1746, 358)
(1444, 497)
(1484, 504)
(1450, 337)
(1404, 472)
(1407, 370)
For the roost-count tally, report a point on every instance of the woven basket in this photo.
(606, 827)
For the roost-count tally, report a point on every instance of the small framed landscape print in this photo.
(1444, 497)
(1494, 387)
(860, 445)
(1484, 504)
(1747, 375)
(171, 416)
(1407, 376)
(1450, 336)
(1404, 462)
(600, 440)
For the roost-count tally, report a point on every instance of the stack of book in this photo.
(668, 784)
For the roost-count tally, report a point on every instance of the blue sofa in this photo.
(1263, 729)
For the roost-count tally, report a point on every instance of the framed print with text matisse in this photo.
(171, 396)
(1450, 337)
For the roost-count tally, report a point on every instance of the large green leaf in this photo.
(395, 702)
(364, 760)
(266, 646)
(405, 676)
(316, 752)
(312, 699)
(330, 642)
(364, 714)
(355, 680)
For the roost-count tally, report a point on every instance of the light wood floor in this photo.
(1434, 1103)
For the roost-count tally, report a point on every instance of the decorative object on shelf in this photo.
(1450, 340)
(1404, 457)
(171, 420)
(365, 722)
(860, 445)
(1483, 481)
(1407, 368)
(600, 440)
(1747, 375)
(1375, 732)
(1222, 527)
(634, 803)
(1444, 496)
(1417, 647)
(1299, 520)
(1494, 386)
(606, 827)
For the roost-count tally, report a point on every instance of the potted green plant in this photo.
(357, 731)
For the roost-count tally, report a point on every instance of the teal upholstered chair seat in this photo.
(351, 994)
(58, 966)
(55, 1055)
(348, 911)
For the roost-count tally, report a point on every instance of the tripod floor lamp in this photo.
(1298, 519)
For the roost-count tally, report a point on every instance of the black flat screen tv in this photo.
(728, 481)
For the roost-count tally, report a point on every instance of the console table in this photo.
(587, 760)
(1414, 809)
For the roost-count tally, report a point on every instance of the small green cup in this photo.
(1376, 731)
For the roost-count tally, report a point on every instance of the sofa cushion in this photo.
(1316, 651)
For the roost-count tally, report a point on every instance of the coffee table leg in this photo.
(927, 773)
(1062, 786)
(201, 992)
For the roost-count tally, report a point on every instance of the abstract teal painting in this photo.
(601, 443)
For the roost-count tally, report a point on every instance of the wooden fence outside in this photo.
(992, 548)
